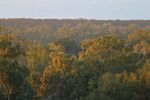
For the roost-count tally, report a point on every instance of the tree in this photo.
(12, 76)
(125, 86)
(38, 58)
(66, 78)
(123, 62)
(99, 49)
(69, 45)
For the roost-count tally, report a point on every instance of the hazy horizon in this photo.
(70, 9)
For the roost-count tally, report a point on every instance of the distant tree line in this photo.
(43, 31)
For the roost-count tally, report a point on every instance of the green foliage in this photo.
(12, 75)
(124, 86)
(65, 77)
(99, 49)
(38, 58)
(36, 82)
(123, 62)
(70, 46)
(112, 65)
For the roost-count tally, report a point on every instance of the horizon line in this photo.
(70, 18)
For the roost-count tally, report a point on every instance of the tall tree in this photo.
(13, 76)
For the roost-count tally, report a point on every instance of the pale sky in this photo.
(73, 9)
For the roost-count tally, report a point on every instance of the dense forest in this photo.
(51, 59)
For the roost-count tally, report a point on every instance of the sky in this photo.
(74, 9)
